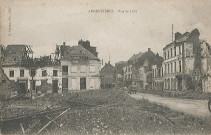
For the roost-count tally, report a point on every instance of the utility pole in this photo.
(172, 32)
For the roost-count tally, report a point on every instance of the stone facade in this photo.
(206, 67)
(80, 68)
(182, 61)
(73, 68)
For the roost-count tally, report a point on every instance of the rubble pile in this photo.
(13, 108)
(114, 112)
(111, 112)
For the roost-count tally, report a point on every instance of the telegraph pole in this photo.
(172, 32)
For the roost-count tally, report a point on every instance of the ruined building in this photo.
(80, 67)
(182, 66)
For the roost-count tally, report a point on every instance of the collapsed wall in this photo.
(7, 87)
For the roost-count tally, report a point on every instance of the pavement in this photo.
(197, 108)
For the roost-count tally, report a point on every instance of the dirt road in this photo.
(188, 106)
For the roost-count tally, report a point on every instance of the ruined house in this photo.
(12, 65)
(79, 67)
(183, 62)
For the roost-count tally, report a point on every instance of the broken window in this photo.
(21, 72)
(168, 69)
(180, 67)
(43, 82)
(168, 54)
(32, 72)
(11, 73)
(64, 70)
(55, 72)
(165, 55)
(44, 73)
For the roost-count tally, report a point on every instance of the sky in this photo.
(44, 23)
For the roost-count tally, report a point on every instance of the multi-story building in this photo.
(80, 68)
(206, 66)
(47, 76)
(72, 68)
(182, 61)
(13, 67)
(108, 76)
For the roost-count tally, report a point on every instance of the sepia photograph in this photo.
(105, 67)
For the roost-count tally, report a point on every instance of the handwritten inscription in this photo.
(10, 21)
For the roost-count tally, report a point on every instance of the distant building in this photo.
(144, 76)
(119, 66)
(138, 72)
(108, 76)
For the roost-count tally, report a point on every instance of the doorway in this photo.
(55, 86)
(64, 84)
(22, 88)
(82, 83)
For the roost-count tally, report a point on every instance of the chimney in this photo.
(149, 49)
(177, 35)
(195, 33)
(64, 43)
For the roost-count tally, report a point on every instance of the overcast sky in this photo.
(45, 23)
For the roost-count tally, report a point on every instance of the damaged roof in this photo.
(13, 55)
(184, 37)
(73, 52)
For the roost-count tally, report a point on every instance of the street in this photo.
(189, 106)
